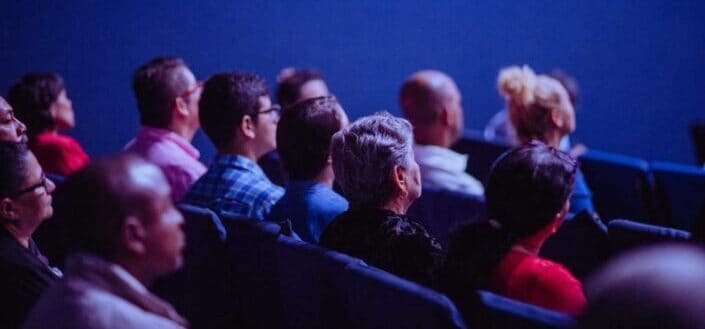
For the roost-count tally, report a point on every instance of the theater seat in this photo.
(441, 211)
(697, 134)
(481, 152)
(377, 299)
(680, 191)
(501, 312)
(621, 185)
(626, 234)
(201, 290)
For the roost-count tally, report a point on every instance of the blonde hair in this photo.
(530, 100)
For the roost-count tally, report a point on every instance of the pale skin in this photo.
(254, 139)
(184, 117)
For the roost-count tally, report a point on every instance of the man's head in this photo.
(295, 85)
(304, 134)
(11, 129)
(431, 101)
(167, 95)
(237, 114)
(119, 208)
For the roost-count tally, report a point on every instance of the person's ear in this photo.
(247, 127)
(132, 235)
(399, 179)
(560, 216)
(446, 116)
(180, 108)
(7, 209)
(558, 117)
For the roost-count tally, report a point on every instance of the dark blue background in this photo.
(640, 63)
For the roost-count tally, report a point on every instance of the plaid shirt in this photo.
(234, 185)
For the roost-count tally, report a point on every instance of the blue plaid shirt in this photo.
(234, 185)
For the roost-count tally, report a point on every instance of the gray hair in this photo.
(364, 155)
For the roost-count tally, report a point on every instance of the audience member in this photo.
(431, 101)
(653, 287)
(126, 232)
(40, 101)
(167, 98)
(25, 203)
(373, 161)
(527, 197)
(11, 128)
(295, 85)
(540, 108)
(304, 133)
(238, 117)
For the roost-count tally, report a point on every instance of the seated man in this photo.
(303, 139)
(431, 102)
(125, 232)
(238, 117)
(167, 98)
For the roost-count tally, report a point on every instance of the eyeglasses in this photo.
(44, 182)
(193, 90)
(276, 109)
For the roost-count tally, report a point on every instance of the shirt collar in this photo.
(237, 161)
(440, 157)
(147, 132)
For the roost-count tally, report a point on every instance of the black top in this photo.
(385, 240)
(24, 274)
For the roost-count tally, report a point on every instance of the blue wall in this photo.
(640, 64)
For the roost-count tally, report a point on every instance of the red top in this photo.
(538, 281)
(58, 154)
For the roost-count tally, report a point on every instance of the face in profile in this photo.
(266, 127)
(566, 124)
(455, 107)
(164, 239)
(31, 201)
(413, 179)
(313, 89)
(11, 129)
(62, 111)
(191, 96)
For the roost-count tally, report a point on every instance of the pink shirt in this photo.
(177, 158)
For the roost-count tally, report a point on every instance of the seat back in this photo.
(501, 312)
(377, 299)
(481, 152)
(697, 134)
(621, 185)
(626, 234)
(441, 211)
(680, 191)
(201, 290)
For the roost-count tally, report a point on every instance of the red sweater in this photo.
(538, 281)
(58, 154)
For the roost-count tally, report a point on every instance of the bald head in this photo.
(431, 101)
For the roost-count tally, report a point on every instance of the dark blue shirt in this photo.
(310, 206)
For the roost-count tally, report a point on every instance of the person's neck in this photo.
(553, 138)
(532, 244)
(325, 177)
(184, 131)
(432, 136)
(397, 206)
(137, 271)
(241, 150)
(20, 233)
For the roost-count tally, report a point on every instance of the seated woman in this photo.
(40, 101)
(25, 202)
(527, 197)
(540, 108)
(374, 164)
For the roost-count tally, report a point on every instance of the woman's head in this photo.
(40, 101)
(373, 162)
(25, 192)
(528, 186)
(539, 106)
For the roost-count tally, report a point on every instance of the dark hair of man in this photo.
(526, 188)
(13, 166)
(420, 103)
(32, 97)
(156, 85)
(96, 200)
(226, 99)
(304, 133)
(289, 88)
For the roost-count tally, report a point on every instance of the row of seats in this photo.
(623, 187)
(243, 273)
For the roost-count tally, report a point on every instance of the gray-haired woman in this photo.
(374, 165)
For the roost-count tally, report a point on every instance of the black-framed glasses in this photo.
(44, 182)
(276, 109)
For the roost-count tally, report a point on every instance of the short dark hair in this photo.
(156, 85)
(96, 200)
(289, 85)
(32, 97)
(13, 166)
(304, 133)
(226, 99)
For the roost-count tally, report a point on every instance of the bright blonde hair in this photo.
(531, 98)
